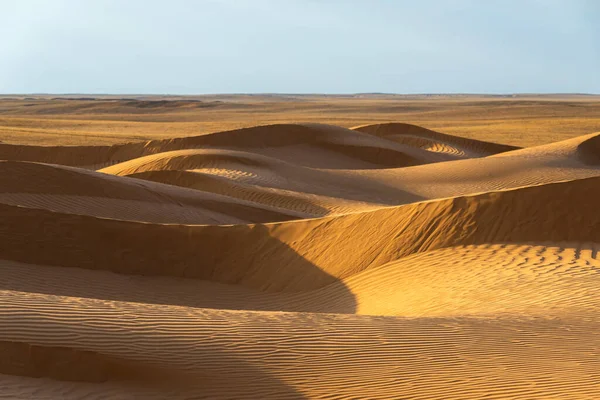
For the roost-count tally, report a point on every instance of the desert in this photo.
(367, 246)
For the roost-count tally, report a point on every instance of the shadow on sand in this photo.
(247, 257)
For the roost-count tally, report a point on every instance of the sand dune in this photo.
(303, 254)
(82, 192)
(313, 145)
(553, 278)
(252, 177)
(427, 139)
(301, 261)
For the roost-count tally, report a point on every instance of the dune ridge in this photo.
(434, 141)
(381, 235)
(370, 149)
(301, 261)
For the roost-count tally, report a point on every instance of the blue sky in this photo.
(299, 46)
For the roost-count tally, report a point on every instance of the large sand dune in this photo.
(301, 261)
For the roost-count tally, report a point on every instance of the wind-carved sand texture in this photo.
(299, 261)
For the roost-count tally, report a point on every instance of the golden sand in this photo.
(387, 261)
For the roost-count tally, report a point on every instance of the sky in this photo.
(299, 46)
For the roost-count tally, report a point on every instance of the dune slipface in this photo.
(301, 261)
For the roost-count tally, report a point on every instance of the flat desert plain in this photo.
(300, 247)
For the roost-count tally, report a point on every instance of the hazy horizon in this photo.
(297, 94)
(299, 47)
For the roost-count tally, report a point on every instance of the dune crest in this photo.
(427, 139)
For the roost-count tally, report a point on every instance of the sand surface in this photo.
(300, 260)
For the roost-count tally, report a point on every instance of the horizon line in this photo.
(300, 94)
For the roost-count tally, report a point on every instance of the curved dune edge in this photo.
(546, 279)
(78, 191)
(424, 138)
(589, 150)
(354, 144)
(584, 149)
(311, 205)
(233, 187)
(267, 180)
(262, 179)
(304, 254)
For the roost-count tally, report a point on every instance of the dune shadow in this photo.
(82, 256)
(233, 267)
(73, 366)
